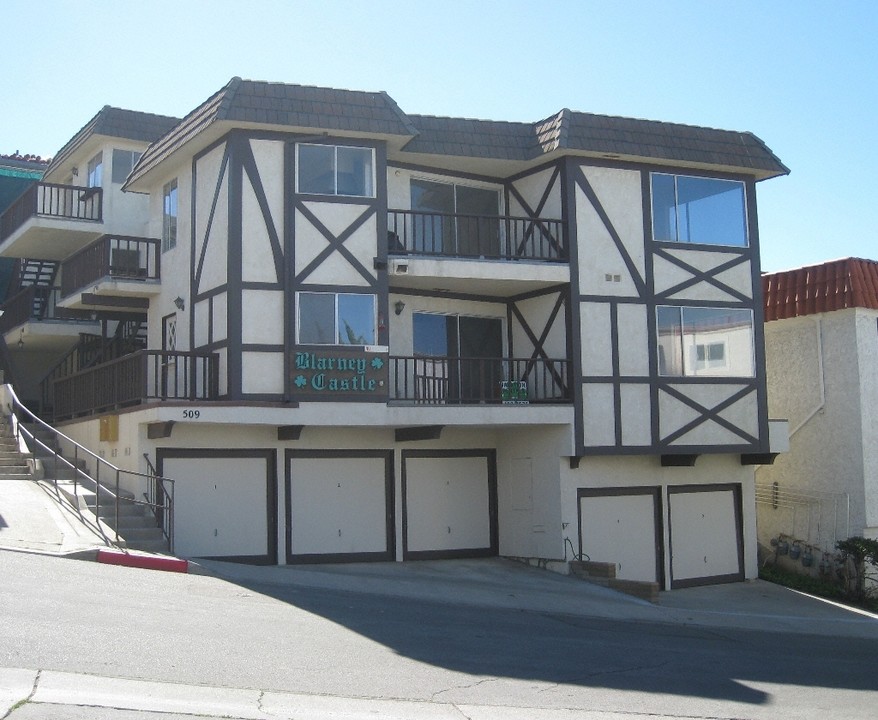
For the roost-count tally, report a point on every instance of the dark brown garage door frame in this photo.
(388, 554)
(493, 525)
(270, 457)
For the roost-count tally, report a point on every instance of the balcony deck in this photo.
(117, 268)
(32, 319)
(49, 221)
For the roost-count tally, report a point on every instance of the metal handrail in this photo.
(158, 489)
(81, 454)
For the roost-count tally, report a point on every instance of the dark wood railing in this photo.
(135, 378)
(117, 256)
(449, 380)
(71, 202)
(36, 302)
(503, 237)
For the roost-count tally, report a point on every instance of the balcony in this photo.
(419, 380)
(32, 320)
(500, 255)
(117, 268)
(136, 378)
(50, 221)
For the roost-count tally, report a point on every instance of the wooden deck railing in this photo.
(135, 378)
(118, 256)
(36, 302)
(450, 380)
(501, 237)
(71, 202)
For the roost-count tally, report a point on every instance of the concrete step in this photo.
(152, 546)
(145, 534)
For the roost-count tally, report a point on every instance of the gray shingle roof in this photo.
(375, 113)
(116, 122)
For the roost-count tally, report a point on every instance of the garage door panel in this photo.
(340, 506)
(621, 527)
(449, 506)
(224, 505)
(705, 529)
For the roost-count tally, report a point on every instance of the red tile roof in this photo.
(834, 285)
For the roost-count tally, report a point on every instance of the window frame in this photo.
(336, 317)
(169, 219)
(700, 241)
(371, 188)
(686, 341)
(133, 156)
(95, 171)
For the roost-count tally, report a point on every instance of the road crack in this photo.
(25, 701)
(433, 697)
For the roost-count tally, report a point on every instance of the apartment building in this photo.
(373, 335)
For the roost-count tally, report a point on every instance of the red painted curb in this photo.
(149, 562)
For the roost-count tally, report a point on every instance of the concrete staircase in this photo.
(603, 573)
(137, 529)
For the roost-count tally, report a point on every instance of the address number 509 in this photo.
(192, 414)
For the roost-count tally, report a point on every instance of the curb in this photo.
(148, 562)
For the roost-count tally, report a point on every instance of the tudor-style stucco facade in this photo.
(517, 360)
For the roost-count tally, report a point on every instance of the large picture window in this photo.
(169, 216)
(336, 319)
(335, 170)
(709, 342)
(698, 210)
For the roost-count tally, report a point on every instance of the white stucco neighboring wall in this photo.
(821, 375)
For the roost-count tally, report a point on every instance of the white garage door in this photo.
(706, 535)
(340, 507)
(224, 505)
(449, 506)
(621, 527)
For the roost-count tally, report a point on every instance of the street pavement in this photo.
(32, 520)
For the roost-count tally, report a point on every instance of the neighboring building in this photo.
(821, 343)
(380, 336)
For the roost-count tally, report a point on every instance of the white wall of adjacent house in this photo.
(125, 213)
(821, 375)
(699, 527)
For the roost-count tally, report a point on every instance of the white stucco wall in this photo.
(821, 376)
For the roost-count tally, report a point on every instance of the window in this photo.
(96, 171)
(710, 342)
(169, 216)
(123, 163)
(336, 319)
(473, 232)
(698, 210)
(335, 170)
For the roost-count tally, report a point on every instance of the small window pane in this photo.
(317, 318)
(169, 216)
(123, 162)
(664, 208)
(317, 169)
(356, 320)
(355, 171)
(432, 233)
(96, 171)
(670, 340)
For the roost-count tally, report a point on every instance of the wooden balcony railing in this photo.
(117, 256)
(135, 378)
(449, 380)
(71, 202)
(503, 237)
(36, 302)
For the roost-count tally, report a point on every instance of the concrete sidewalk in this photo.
(34, 519)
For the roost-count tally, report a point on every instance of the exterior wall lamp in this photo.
(398, 307)
(180, 303)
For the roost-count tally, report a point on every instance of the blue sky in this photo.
(800, 74)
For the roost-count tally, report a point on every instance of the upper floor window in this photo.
(335, 170)
(336, 319)
(123, 162)
(96, 171)
(707, 342)
(701, 210)
(169, 215)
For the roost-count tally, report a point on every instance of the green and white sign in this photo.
(340, 374)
